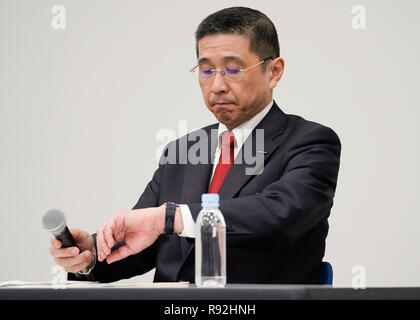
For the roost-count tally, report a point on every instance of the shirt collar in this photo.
(242, 131)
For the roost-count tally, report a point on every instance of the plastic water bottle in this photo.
(210, 244)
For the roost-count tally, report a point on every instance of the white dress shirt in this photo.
(240, 133)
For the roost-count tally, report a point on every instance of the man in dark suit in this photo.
(275, 197)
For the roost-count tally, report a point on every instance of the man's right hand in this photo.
(72, 259)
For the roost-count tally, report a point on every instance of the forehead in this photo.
(217, 47)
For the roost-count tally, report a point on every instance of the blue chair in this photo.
(326, 273)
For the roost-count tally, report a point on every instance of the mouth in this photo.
(222, 106)
(222, 103)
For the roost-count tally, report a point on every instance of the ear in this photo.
(276, 68)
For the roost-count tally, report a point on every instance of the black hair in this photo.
(252, 23)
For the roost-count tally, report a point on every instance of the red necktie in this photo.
(225, 161)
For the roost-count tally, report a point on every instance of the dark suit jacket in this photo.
(276, 220)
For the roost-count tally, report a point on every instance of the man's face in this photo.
(233, 101)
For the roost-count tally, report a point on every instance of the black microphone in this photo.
(54, 221)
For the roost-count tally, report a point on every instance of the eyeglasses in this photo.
(232, 72)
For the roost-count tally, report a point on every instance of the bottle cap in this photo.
(210, 198)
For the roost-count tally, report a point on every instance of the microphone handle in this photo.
(66, 238)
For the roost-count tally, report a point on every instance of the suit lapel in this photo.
(197, 176)
(272, 125)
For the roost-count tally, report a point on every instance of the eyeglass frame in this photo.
(224, 73)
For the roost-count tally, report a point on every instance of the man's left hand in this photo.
(139, 229)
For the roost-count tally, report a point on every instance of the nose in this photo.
(219, 84)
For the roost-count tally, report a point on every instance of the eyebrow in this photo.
(227, 58)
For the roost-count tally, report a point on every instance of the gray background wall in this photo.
(80, 110)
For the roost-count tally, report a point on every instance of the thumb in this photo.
(121, 253)
(79, 235)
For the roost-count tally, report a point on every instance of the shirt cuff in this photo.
(188, 221)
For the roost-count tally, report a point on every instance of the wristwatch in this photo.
(170, 217)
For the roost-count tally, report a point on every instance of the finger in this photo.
(120, 253)
(104, 249)
(101, 245)
(64, 252)
(86, 257)
(76, 268)
(109, 238)
(55, 242)
(69, 262)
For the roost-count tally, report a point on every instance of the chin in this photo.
(227, 121)
(223, 116)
